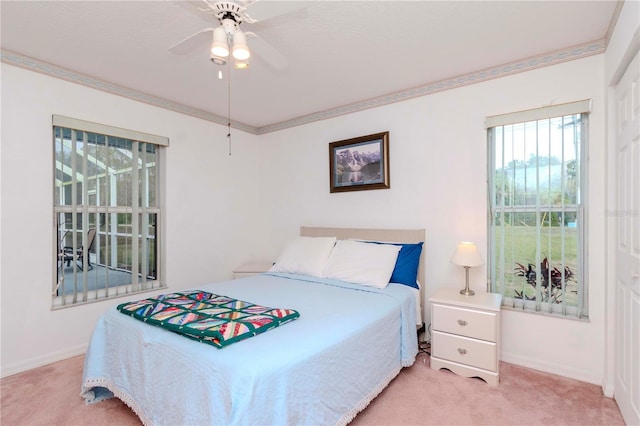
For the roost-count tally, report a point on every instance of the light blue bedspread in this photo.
(322, 369)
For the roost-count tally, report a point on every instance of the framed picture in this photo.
(359, 163)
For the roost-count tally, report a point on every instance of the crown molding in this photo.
(568, 54)
(51, 70)
(528, 64)
(613, 22)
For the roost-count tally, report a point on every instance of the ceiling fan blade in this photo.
(193, 41)
(265, 51)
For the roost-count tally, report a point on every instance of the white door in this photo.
(627, 375)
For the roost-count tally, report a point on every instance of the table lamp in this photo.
(466, 255)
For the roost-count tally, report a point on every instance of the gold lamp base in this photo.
(466, 291)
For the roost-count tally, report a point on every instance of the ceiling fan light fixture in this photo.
(241, 64)
(240, 47)
(218, 60)
(219, 46)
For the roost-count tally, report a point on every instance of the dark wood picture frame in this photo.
(359, 164)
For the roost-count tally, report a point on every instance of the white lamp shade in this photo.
(240, 48)
(219, 46)
(466, 254)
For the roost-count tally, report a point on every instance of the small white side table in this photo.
(249, 269)
(466, 333)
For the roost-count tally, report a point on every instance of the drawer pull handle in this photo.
(462, 322)
(462, 351)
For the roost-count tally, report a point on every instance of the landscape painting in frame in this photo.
(359, 163)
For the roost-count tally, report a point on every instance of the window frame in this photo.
(137, 211)
(583, 107)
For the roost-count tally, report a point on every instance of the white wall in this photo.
(208, 200)
(438, 181)
(222, 210)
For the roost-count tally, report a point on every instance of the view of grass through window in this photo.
(520, 271)
(536, 213)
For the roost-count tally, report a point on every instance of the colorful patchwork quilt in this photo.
(209, 318)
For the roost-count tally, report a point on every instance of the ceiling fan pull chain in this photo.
(229, 106)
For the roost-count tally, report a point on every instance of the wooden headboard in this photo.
(382, 234)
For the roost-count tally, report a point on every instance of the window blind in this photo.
(537, 181)
(107, 212)
(559, 110)
(103, 129)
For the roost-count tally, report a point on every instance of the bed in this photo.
(326, 366)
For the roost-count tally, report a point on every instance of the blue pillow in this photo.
(406, 269)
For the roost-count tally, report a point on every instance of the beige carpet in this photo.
(418, 396)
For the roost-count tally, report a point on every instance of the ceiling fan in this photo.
(228, 41)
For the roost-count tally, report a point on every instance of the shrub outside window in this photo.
(537, 220)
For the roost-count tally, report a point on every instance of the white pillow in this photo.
(362, 263)
(305, 255)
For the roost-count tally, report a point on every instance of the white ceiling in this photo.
(342, 55)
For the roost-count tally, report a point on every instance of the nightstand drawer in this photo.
(475, 353)
(465, 322)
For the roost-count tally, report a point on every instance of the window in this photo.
(537, 221)
(107, 211)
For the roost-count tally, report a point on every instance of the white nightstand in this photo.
(249, 269)
(466, 333)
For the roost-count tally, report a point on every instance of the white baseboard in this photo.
(39, 361)
(560, 370)
(608, 389)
